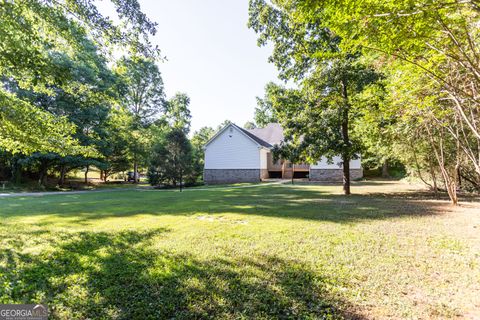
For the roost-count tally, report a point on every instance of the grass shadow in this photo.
(283, 201)
(102, 275)
(425, 195)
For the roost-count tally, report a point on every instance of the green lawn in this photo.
(276, 251)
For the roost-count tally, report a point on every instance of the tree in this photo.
(143, 96)
(198, 141)
(40, 163)
(172, 160)
(87, 108)
(249, 125)
(309, 54)
(26, 128)
(143, 89)
(264, 113)
(116, 151)
(177, 112)
(431, 40)
(31, 30)
(373, 124)
(223, 125)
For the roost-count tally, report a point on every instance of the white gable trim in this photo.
(236, 128)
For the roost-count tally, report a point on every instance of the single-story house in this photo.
(236, 154)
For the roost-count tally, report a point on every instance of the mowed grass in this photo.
(271, 251)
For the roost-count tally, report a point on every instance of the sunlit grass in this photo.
(302, 251)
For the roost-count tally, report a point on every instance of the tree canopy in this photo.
(171, 163)
(423, 107)
(316, 115)
(264, 112)
(178, 113)
(68, 101)
(34, 36)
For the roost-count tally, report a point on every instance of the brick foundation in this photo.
(213, 176)
(333, 174)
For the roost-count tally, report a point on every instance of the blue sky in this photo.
(212, 56)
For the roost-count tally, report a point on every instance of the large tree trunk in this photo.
(293, 171)
(459, 176)
(433, 177)
(346, 140)
(62, 176)
(450, 183)
(43, 173)
(86, 173)
(41, 178)
(385, 173)
(346, 174)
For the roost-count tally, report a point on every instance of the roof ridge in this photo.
(254, 137)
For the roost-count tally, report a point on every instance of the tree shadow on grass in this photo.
(98, 275)
(289, 202)
(354, 183)
(424, 195)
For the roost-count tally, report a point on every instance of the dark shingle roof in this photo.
(272, 134)
(255, 138)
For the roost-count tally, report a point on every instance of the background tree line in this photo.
(67, 103)
(395, 81)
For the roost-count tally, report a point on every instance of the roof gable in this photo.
(247, 134)
(264, 137)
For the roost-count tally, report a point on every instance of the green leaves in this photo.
(172, 161)
(264, 112)
(26, 128)
(47, 47)
(142, 88)
(297, 45)
(177, 112)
